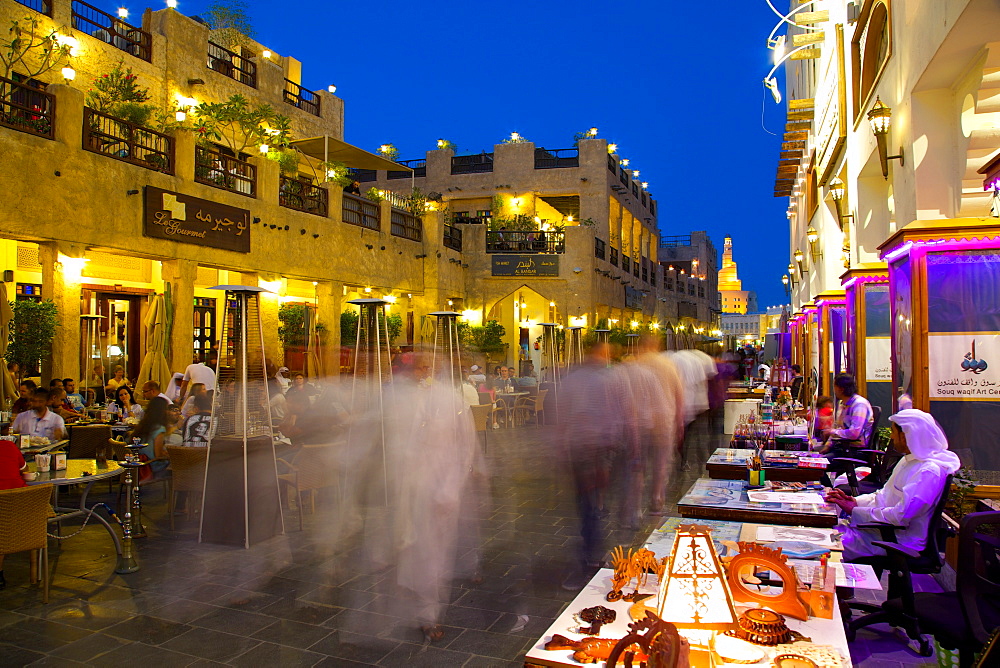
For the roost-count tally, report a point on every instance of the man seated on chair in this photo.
(911, 493)
(854, 419)
(40, 421)
(58, 405)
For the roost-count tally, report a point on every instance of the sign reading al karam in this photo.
(525, 265)
(179, 217)
(964, 366)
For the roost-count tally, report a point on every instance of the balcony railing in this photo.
(396, 200)
(128, 142)
(419, 168)
(556, 158)
(510, 241)
(362, 175)
(113, 30)
(299, 97)
(27, 109)
(303, 196)
(216, 169)
(232, 65)
(406, 225)
(361, 212)
(40, 6)
(472, 164)
(453, 237)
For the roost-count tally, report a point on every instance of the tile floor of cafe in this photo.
(298, 601)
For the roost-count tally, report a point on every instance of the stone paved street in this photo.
(298, 601)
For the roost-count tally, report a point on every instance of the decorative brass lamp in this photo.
(812, 236)
(880, 118)
(837, 191)
(799, 257)
(791, 274)
(788, 289)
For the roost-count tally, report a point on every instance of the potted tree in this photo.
(31, 334)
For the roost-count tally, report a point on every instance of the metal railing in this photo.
(361, 212)
(231, 64)
(103, 26)
(600, 248)
(304, 196)
(675, 241)
(419, 168)
(556, 158)
(396, 200)
(214, 168)
(511, 241)
(128, 142)
(299, 97)
(453, 237)
(472, 164)
(406, 225)
(40, 6)
(27, 109)
(362, 175)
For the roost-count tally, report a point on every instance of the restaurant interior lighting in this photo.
(880, 119)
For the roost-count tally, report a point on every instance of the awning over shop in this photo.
(991, 172)
(327, 148)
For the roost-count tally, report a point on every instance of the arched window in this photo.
(870, 50)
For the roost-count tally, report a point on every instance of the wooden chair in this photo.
(531, 406)
(84, 440)
(482, 419)
(24, 516)
(187, 465)
(313, 467)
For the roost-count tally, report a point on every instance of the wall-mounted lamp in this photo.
(837, 191)
(68, 72)
(331, 89)
(799, 258)
(788, 287)
(812, 236)
(880, 118)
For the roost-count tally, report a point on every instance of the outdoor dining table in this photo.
(84, 472)
(509, 399)
(728, 500)
(731, 464)
(42, 449)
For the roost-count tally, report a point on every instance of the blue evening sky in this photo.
(677, 85)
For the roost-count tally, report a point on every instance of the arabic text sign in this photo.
(525, 265)
(178, 217)
(964, 366)
(878, 365)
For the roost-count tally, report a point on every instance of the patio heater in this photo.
(550, 359)
(446, 348)
(372, 369)
(602, 335)
(574, 346)
(241, 504)
(632, 344)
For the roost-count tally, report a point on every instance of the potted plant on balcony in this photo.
(29, 52)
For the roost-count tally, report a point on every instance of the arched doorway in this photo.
(520, 313)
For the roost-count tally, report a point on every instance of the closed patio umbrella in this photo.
(154, 364)
(314, 368)
(8, 393)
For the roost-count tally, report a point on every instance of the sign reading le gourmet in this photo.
(178, 217)
(525, 265)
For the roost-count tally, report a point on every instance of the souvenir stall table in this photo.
(731, 464)
(732, 500)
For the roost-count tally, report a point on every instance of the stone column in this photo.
(61, 283)
(181, 276)
(329, 304)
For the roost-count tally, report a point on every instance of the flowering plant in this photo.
(119, 94)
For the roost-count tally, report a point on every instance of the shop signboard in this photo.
(830, 103)
(878, 365)
(964, 366)
(178, 217)
(525, 265)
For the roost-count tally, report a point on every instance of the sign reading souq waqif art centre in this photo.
(964, 366)
(179, 217)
